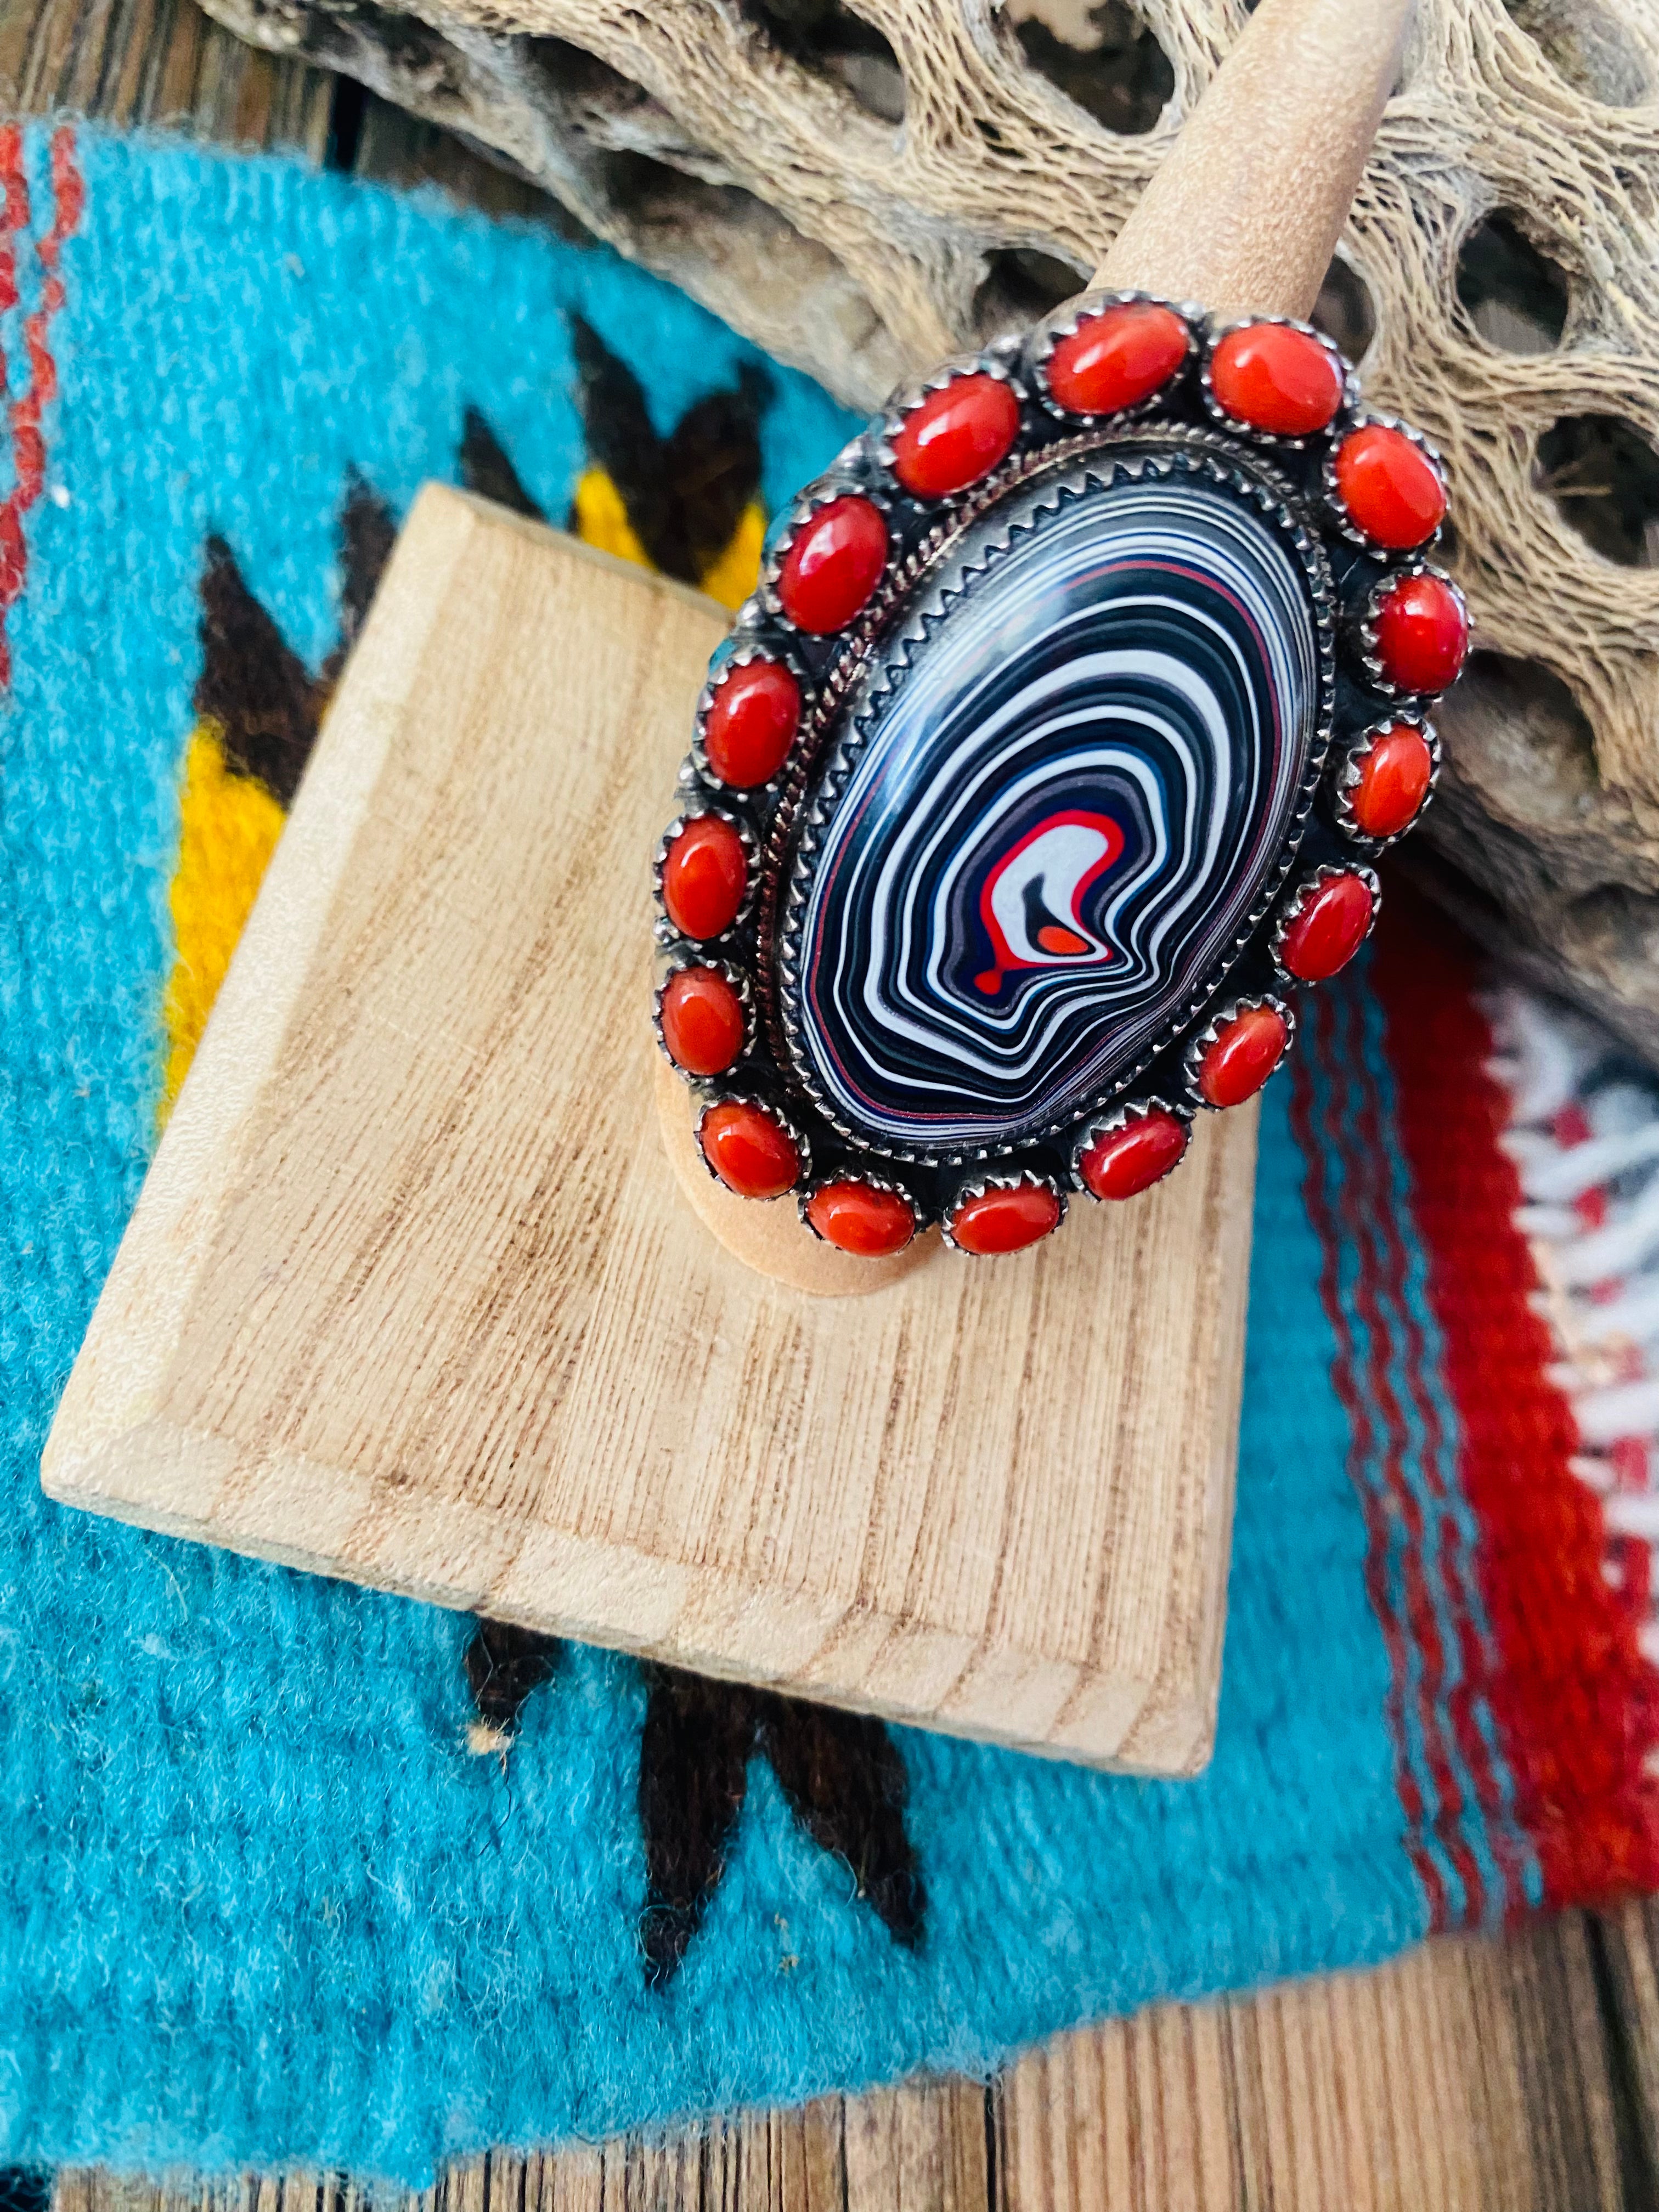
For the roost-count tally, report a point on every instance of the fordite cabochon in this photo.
(1047, 759)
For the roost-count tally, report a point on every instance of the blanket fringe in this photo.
(1584, 1136)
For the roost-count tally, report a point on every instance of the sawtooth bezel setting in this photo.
(1121, 1117)
(1348, 768)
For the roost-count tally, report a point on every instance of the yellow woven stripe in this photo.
(230, 825)
(737, 572)
(602, 520)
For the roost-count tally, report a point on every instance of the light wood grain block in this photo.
(410, 1295)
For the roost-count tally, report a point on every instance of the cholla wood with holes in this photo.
(914, 175)
(1037, 752)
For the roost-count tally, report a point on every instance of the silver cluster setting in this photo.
(919, 530)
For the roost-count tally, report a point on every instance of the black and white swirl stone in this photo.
(1058, 804)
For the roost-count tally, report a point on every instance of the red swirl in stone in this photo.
(998, 1220)
(956, 435)
(834, 563)
(1122, 1163)
(1327, 927)
(1244, 1053)
(1275, 379)
(858, 1218)
(1395, 772)
(1389, 487)
(1117, 358)
(750, 723)
(703, 1021)
(705, 874)
(749, 1149)
(1422, 632)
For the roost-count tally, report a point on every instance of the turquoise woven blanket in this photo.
(294, 1873)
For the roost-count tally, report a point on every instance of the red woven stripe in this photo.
(1376, 1229)
(27, 443)
(1318, 1145)
(1577, 1706)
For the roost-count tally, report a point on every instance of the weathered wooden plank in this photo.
(1466, 2075)
(1624, 1947)
(131, 62)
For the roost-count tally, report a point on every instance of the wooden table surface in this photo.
(1520, 2076)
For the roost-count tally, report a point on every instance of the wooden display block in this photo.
(411, 1295)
